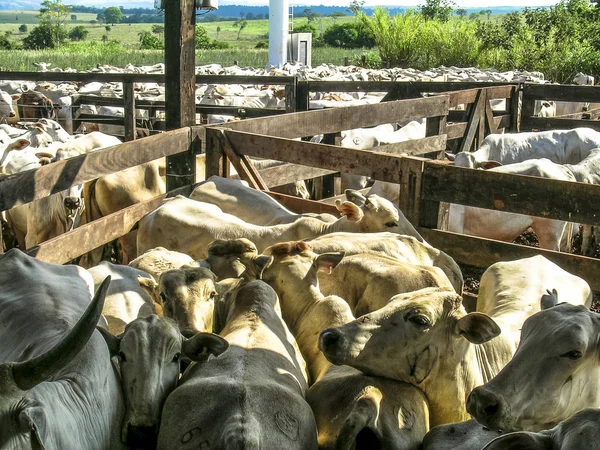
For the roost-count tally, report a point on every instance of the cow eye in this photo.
(163, 297)
(122, 356)
(574, 355)
(420, 320)
(212, 294)
(391, 224)
(176, 357)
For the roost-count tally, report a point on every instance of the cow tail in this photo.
(363, 414)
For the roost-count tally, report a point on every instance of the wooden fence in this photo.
(424, 182)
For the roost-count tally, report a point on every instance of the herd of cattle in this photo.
(232, 322)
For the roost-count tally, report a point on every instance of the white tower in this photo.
(278, 32)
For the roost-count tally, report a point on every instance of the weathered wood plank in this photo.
(66, 247)
(380, 166)
(415, 147)
(472, 125)
(481, 252)
(129, 113)
(554, 199)
(462, 97)
(301, 206)
(411, 171)
(215, 162)
(289, 173)
(515, 117)
(332, 120)
(567, 93)
(386, 86)
(489, 119)
(553, 123)
(27, 186)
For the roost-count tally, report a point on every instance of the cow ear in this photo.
(521, 440)
(352, 212)
(477, 328)
(33, 419)
(450, 156)
(44, 155)
(486, 165)
(150, 287)
(326, 262)
(15, 96)
(549, 300)
(203, 344)
(113, 342)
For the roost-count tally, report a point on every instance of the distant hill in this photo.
(230, 10)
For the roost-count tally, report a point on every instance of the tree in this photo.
(150, 42)
(100, 17)
(461, 12)
(260, 16)
(104, 38)
(356, 7)
(337, 14)
(5, 43)
(53, 14)
(218, 31)
(79, 33)
(437, 9)
(250, 16)
(23, 28)
(143, 34)
(158, 29)
(107, 28)
(309, 14)
(44, 36)
(240, 24)
(488, 13)
(73, 17)
(113, 15)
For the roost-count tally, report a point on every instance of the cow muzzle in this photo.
(488, 409)
(12, 114)
(141, 437)
(331, 343)
(72, 203)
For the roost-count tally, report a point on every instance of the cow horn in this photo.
(30, 373)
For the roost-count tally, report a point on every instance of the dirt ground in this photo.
(472, 274)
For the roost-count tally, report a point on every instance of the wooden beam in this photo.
(489, 119)
(25, 187)
(386, 86)
(380, 166)
(515, 117)
(411, 174)
(289, 173)
(481, 252)
(566, 93)
(180, 84)
(242, 164)
(554, 123)
(543, 197)
(129, 111)
(415, 147)
(301, 206)
(472, 125)
(332, 120)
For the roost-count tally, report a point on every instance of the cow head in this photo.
(229, 258)
(553, 374)
(54, 129)
(149, 353)
(432, 336)
(6, 108)
(374, 214)
(186, 295)
(23, 413)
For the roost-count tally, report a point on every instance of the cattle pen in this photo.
(425, 182)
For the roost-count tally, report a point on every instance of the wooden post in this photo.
(302, 93)
(515, 119)
(527, 110)
(129, 113)
(290, 96)
(216, 163)
(411, 172)
(473, 124)
(180, 84)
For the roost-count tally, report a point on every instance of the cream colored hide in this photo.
(367, 282)
(403, 248)
(553, 374)
(117, 191)
(158, 260)
(347, 405)
(578, 432)
(447, 352)
(259, 381)
(149, 352)
(187, 295)
(189, 226)
(125, 299)
(559, 146)
(469, 435)
(252, 206)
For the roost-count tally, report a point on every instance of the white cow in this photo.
(443, 344)
(125, 299)
(158, 260)
(188, 226)
(553, 374)
(250, 205)
(559, 146)
(57, 388)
